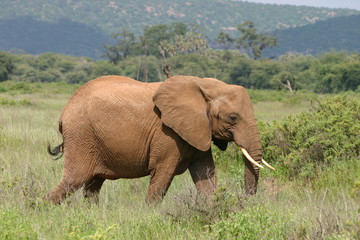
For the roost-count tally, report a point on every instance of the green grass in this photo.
(321, 208)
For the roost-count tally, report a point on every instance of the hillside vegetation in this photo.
(25, 34)
(80, 28)
(341, 33)
(212, 15)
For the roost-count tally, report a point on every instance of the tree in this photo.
(252, 41)
(7, 66)
(153, 35)
(225, 39)
(240, 70)
(125, 41)
(191, 42)
(284, 79)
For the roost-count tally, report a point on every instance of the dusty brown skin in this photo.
(115, 127)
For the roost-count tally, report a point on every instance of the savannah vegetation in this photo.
(308, 114)
(312, 140)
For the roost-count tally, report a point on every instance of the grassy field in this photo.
(326, 207)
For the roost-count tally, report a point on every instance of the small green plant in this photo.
(15, 226)
(252, 223)
(13, 102)
(101, 233)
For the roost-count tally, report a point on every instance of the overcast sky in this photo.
(352, 4)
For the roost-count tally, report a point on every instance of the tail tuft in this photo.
(56, 151)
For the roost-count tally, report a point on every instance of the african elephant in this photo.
(116, 127)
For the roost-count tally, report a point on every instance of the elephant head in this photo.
(200, 110)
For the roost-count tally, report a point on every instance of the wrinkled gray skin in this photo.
(115, 127)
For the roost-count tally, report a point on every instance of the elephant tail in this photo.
(56, 151)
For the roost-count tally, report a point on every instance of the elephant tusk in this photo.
(247, 155)
(268, 165)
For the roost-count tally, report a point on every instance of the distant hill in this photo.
(212, 15)
(80, 27)
(342, 33)
(64, 36)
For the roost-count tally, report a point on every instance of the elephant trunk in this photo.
(251, 172)
(251, 147)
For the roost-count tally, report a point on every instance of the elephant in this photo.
(116, 127)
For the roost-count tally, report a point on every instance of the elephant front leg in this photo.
(159, 184)
(203, 174)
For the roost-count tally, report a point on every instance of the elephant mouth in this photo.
(248, 157)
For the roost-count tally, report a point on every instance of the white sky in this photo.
(352, 4)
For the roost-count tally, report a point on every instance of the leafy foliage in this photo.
(338, 72)
(311, 140)
(329, 73)
(125, 42)
(253, 41)
(6, 66)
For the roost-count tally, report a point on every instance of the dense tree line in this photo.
(329, 73)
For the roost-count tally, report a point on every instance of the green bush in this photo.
(76, 77)
(302, 144)
(7, 66)
(102, 68)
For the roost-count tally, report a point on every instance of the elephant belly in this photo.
(114, 171)
(128, 162)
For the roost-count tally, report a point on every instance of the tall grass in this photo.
(282, 209)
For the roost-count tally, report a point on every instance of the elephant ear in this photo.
(183, 108)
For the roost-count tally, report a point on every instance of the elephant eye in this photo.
(233, 118)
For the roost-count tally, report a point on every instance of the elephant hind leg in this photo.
(73, 179)
(64, 189)
(92, 189)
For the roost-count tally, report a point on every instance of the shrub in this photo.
(301, 144)
(7, 66)
(102, 68)
(76, 77)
